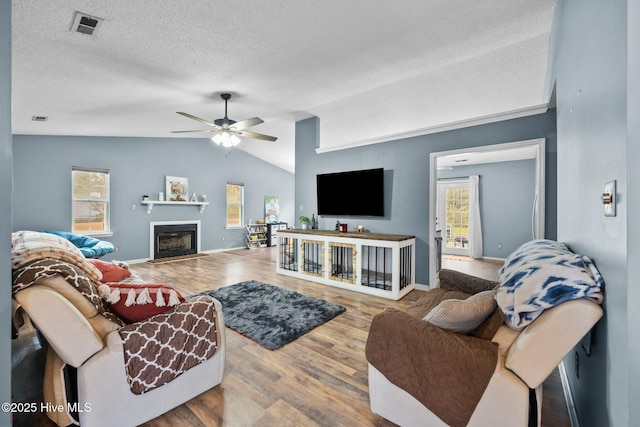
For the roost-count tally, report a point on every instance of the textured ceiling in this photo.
(371, 71)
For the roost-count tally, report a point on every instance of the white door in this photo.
(453, 216)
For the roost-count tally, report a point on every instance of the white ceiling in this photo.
(370, 70)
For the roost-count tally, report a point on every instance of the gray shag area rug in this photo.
(269, 315)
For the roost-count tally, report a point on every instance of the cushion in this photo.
(488, 328)
(462, 315)
(135, 302)
(431, 298)
(89, 246)
(458, 281)
(110, 271)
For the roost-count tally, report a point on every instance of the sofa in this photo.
(126, 373)
(476, 352)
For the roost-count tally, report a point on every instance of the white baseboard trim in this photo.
(137, 261)
(215, 251)
(422, 287)
(568, 396)
(493, 258)
(489, 258)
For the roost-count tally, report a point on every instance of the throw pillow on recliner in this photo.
(134, 302)
(110, 271)
(462, 315)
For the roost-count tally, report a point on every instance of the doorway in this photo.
(438, 228)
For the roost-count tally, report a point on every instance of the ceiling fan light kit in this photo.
(227, 131)
(226, 139)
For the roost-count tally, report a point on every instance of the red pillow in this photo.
(110, 271)
(134, 302)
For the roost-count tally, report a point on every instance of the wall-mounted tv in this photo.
(354, 193)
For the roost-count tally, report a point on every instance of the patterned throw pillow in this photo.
(462, 315)
(135, 302)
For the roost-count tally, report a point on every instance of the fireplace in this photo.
(177, 238)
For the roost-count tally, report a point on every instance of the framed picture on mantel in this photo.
(177, 188)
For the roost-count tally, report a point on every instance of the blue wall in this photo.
(5, 206)
(507, 191)
(42, 185)
(406, 163)
(597, 143)
(633, 204)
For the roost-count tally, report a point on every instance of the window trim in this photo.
(107, 222)
(227, 204)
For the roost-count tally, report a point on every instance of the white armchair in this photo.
(424, 372)
(80, 337)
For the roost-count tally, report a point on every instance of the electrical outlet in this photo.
(499, 245)
(301, 208)
(133, 207)
(116, 249)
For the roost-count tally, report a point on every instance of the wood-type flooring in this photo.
(318, 380)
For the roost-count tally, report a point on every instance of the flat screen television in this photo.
(353, 193)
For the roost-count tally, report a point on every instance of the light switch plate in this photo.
(610, 188)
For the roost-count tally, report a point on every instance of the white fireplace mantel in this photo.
(150, 203)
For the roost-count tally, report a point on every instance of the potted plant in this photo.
(304, 221)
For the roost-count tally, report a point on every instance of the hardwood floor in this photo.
(318, 380)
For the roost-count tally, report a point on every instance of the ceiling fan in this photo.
(227, 131)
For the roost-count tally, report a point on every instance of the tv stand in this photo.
(372, 263)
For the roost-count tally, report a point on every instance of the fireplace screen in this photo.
(175, 240)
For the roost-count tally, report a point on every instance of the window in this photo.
(235, 205)
(90, 208)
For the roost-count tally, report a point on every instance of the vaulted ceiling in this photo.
(370, 70)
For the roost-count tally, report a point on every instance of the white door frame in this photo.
(537, 221)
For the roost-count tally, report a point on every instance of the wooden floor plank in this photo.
(281, 413)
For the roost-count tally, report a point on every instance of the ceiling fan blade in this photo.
(206, 122)
(198, 130)
(244, 124)
(256, 136)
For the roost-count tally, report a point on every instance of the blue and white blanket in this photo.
(541, 274)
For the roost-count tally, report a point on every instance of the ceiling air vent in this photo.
(85, 24)
(39, 118)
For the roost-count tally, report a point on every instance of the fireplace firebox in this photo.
(172, 240)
